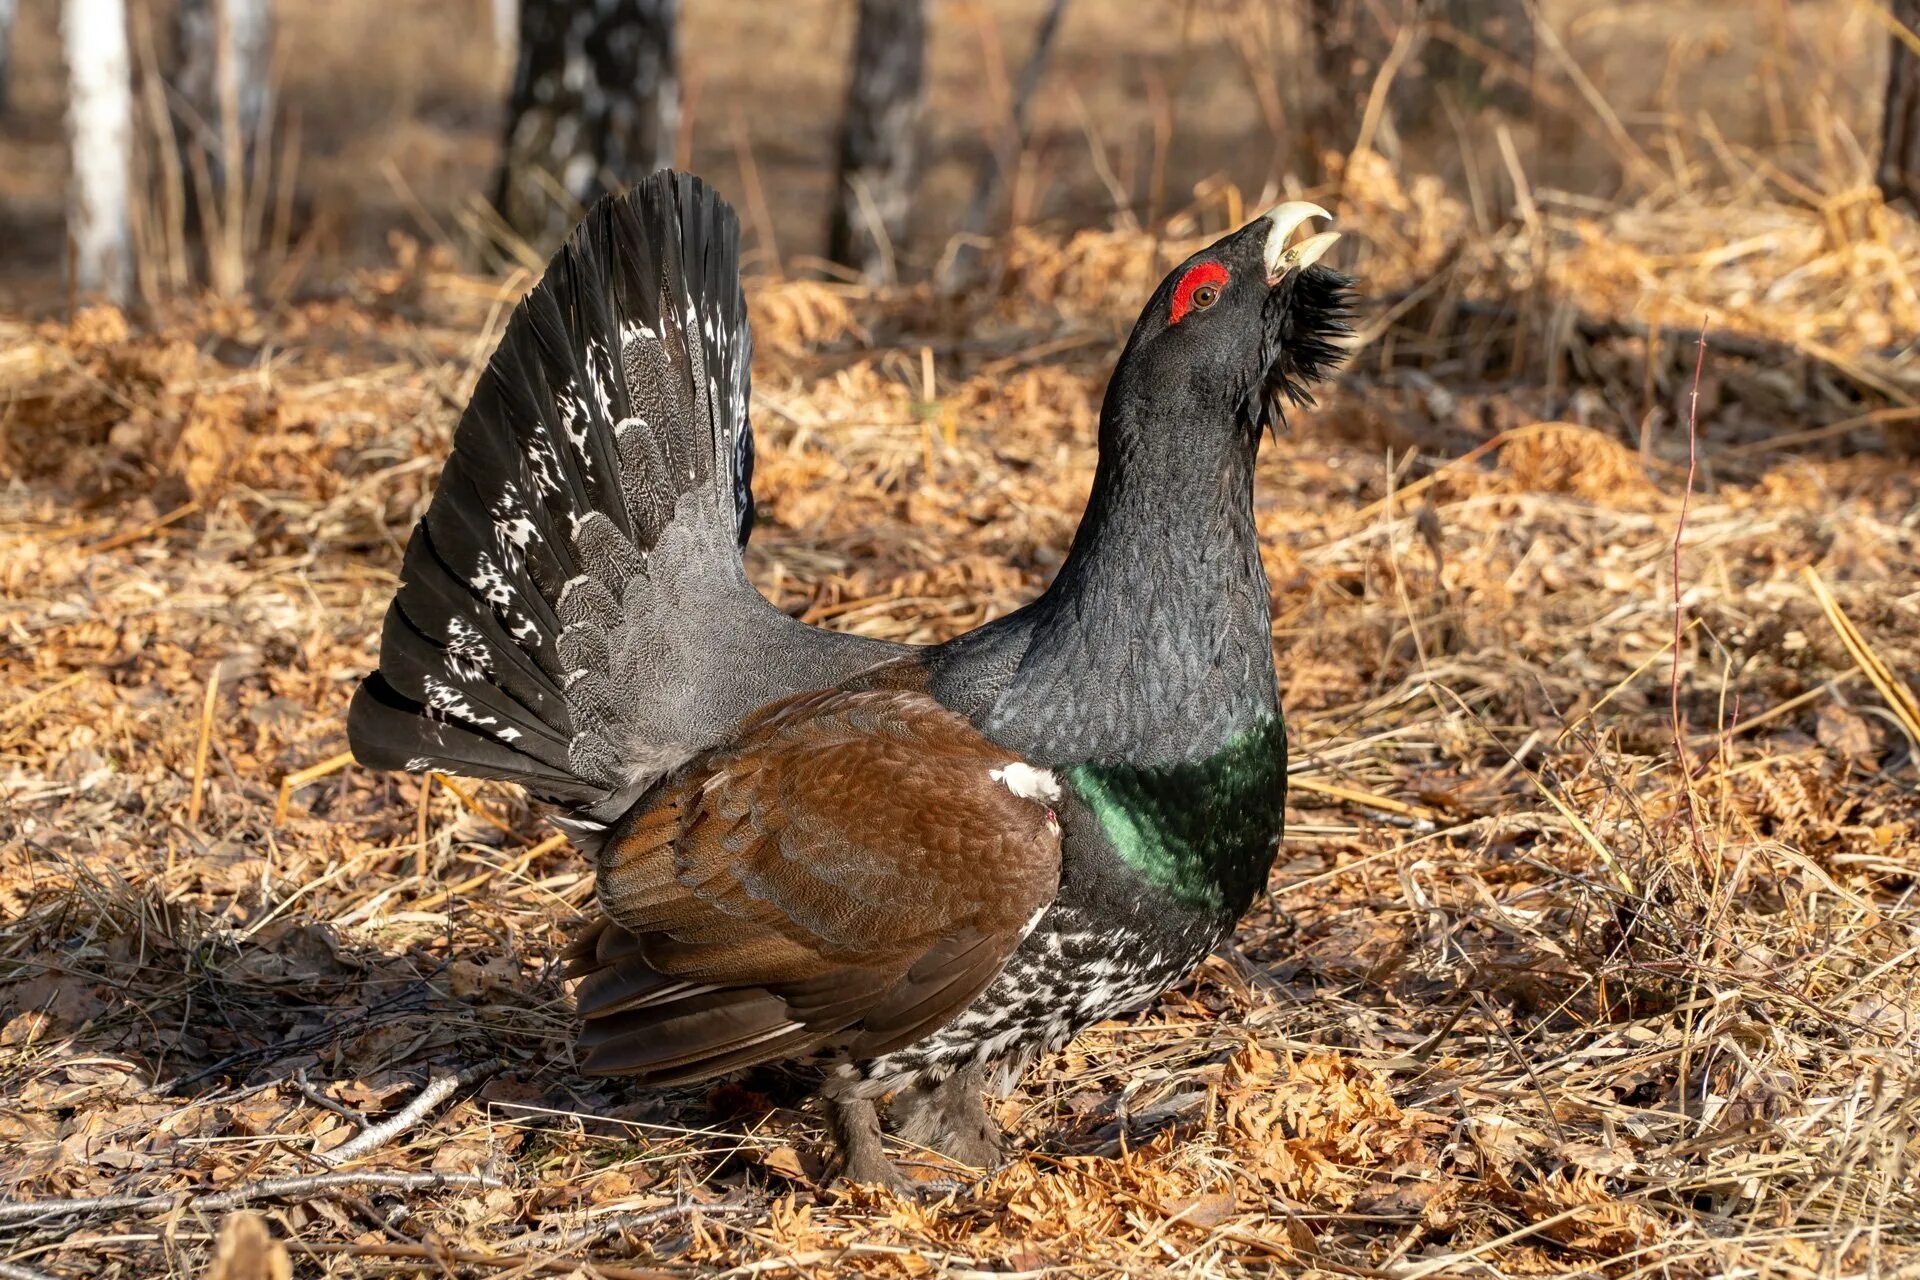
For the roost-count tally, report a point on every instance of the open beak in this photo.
(1283, 221)
(1282, 260)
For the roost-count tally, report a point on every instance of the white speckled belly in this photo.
(1067, 975)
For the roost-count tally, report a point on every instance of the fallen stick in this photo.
(374, 1137)
(14, 1271)
(307, 1186)
(619, 1224)
(133, 535)
(207, 707)
(318, 1098)
(442, 1255)
(301, 777)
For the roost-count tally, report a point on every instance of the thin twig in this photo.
(998, 167)
(14, 1271)
(441, 1255)
(20, 708)
(207, 706)
(319, 1099)
(133, 535)
(305, 1187)
(301, 777)
(376, 1136)
(1900, 699)
(621, 1223)
(1679, 609)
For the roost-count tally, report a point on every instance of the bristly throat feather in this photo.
(1203, 832)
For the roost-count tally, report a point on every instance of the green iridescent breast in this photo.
(1203, 831)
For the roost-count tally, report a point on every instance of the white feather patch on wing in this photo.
(1027, 782)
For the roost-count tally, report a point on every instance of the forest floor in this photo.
(1586, 951)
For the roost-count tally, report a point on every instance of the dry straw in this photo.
(1500, 1015)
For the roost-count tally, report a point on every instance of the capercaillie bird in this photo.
(918, 867)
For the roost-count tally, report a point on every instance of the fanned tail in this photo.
(585, 536)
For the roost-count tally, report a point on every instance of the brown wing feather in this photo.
(846, 870)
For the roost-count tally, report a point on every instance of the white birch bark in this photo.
(506, 31)
(93, 35)
(7, 10)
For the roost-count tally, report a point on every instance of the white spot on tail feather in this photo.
(543, 464)
(574, 421)
(467, 656)
(516, 531)
(600, 376)
(490, 583)
(445, 697)
(1028, 782)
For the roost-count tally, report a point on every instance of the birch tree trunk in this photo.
(506, 30)
(222, 78)
(7, 10)
(878, 137)
(595, 105)
(93, 35)
(1899, 172)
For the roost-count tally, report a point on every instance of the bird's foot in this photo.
(951, 1118)
(863, 1162)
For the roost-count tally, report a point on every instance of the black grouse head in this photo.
(1246, 324)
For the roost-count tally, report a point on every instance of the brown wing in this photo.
(853, 867)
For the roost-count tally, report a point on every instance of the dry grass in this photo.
(1502, 1013)
(1527, 997)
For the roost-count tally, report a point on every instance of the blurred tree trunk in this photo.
(506, 30)
(1899, 173)
(221, 94)
(1481, 52)
(93, 37)
(221, 78)
(7, 9)
(595, 105)
(878, 143)
(1467, 55)
(963, 266)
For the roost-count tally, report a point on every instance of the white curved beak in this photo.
(1284, 220)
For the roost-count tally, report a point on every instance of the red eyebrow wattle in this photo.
(1204, 273)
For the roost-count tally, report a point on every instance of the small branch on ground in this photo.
(318, 1098)
(307, 1187)
(439, 1255)
(374, 1137)
(621, 1223)
(14, 1271)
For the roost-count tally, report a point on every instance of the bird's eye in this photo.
(1198, 288)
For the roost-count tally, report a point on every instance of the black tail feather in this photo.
(614, 409)
(391, 731)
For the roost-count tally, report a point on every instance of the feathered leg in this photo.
(951, 1117)
(856, 1128)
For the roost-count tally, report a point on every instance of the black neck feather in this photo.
(1153, 643)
